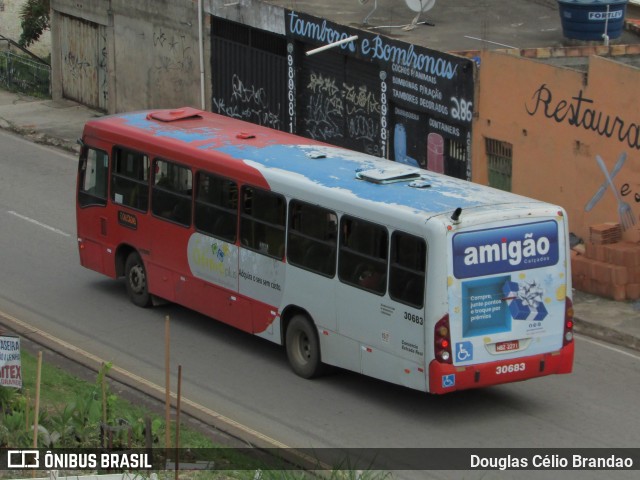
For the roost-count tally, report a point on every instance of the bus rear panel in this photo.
(509, 317)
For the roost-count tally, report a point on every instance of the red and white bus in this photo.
(349, 260)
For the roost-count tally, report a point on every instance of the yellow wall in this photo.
(529, 104)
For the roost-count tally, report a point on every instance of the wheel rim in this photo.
(137, 279)
(303, 347)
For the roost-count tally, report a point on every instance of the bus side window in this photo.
(311, 242)
(171, 192)
(363, 254)
(262, 221)
(407, 270)
(94, 177)
(216, 206)
(130, 179)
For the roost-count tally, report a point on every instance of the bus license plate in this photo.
(508, 346)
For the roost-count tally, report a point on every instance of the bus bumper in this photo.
(445, 378)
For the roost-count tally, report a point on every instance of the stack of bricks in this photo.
(609, 267)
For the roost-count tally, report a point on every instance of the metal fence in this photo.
(22, 74)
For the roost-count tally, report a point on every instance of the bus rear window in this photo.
(407, 270)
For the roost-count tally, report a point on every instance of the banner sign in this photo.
(423, 99)
(10, 368)
(418, 78)
(499, 250)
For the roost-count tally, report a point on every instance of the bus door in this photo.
(507, 292)
(92, 213)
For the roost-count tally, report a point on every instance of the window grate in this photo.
(499, 163)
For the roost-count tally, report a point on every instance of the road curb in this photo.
(40, 138)
(606, 334)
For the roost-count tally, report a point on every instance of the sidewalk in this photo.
(60, 123)
(56, 123)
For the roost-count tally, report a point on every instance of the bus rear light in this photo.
(443, 331)
(568, 322)
(442, 340)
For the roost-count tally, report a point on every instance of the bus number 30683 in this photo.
(417, 319)
(514, 367)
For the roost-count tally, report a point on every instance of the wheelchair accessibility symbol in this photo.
(464, 351)
(449, 381)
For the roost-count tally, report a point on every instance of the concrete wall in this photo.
(559, 121)
(254, 13)
(152, 50)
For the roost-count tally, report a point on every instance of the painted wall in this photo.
(559, 122)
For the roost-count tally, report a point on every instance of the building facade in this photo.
(567, 136)
(520, 124)
(374, 94)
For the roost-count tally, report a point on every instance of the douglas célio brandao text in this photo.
(551, 462)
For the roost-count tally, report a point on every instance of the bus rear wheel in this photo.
(303, 347)
(136, 279)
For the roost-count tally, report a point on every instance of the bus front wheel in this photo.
(136, 279)
(303, 347)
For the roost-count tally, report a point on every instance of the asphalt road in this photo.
(248, 379)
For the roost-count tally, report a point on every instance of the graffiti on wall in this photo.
(336, 110)
(248, 102)
(625, 212)
(360, 103)
(323, 120)
(174, 57)
(77, 66)
(103, 66)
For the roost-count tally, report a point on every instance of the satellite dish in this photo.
(419, 6)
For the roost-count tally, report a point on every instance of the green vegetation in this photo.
(34, 17)
(19, 73)
(73, 411)
(71, 414)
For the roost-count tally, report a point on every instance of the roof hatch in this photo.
(173, 115)
(400, 173)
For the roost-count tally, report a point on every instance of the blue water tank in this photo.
(587, 19)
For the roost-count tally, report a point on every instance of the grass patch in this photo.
(71, 411)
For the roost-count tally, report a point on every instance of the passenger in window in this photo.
(369, 278)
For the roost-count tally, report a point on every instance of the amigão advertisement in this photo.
(507, 288)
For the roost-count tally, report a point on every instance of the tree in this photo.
(34, 16)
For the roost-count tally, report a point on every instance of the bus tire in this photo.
(303, 347)
(136, 281)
